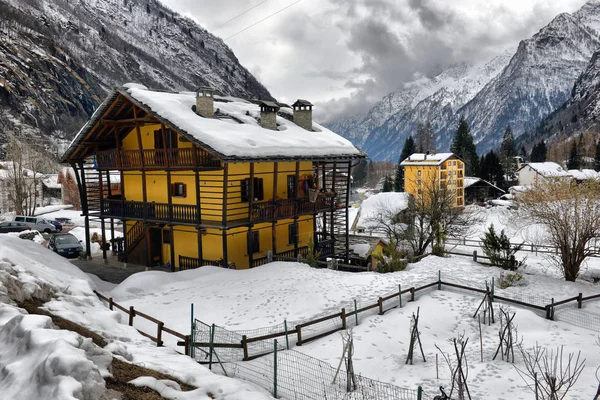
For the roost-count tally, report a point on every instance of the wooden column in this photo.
(274, 224)
(333, 209)
(112, 221)
(224, 222)
(297, 178)
(347, 212)
(169, 200)
(315, 214)
(102, 225)
(141, 150)
(84, 208)
(250, 207)
(198, 205)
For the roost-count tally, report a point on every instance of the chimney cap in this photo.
(268, 106)
(302, 103)
(205, 91)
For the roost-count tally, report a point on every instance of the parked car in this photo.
(66, 245)
(13, 227)
(56, 223)
(36, 223)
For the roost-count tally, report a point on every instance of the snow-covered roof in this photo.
(584, 174)
(547, 169)
(470, 181)
(51, 181)
(7, 166)
(387, 203)
(427, 159)
(235, 132)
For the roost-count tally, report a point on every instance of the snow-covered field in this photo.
(269, 294)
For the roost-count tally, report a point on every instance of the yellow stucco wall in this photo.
(185, 239)
(450, 173)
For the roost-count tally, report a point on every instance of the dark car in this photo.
(13, 227)
(65, 245)
(63, 220)
(57, 224)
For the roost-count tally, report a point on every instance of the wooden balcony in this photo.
(268, 211)
(188, 158)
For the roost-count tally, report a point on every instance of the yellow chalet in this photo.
(444, 169)
(209, 180)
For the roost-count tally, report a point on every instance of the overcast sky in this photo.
(344, 55)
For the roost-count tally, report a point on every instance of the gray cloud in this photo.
(347, 54)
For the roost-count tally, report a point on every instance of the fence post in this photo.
(287, 341)
(475, 255)
(275, 369)
(244, 347)
(159, 329)
(580, 300)
(552, 310)
(211, 345)
(439, 280)
(412, 294)
(131, 315)
(193, 332)
(269, 256)
(492, 293)
(380, 302)
(355, 313)
(400, 294)
(110, 303)
(419, 393)
(343, 316)
(513, 262)
(299, 333)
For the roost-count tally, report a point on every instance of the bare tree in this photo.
(459, 371)
(598, 377)
(549, 375)
(389, 219)
(433, 215)
(425, 138)
(571, 214)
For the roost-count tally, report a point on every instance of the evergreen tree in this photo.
(387, 184)
(491, 169)
(539, 152)
(574, 162)
(508, 151)
(523, 153)
(425, 138)
(359, 173)
(408, 149)
(463, 147)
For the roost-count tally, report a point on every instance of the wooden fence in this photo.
(160, 326)
(528, 247)
(340, 320)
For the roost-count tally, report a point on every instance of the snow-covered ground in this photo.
(40, 362)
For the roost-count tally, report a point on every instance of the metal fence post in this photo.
(475, 255)
(355, 313)
(211, 346)
(492, 294)
(439, 280)
(400, 294)
(419, 393)
(192, 326)
(287, 341)
(275, 369)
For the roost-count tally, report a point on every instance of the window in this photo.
(291, 186)
(253, 243)
(166, 233)
(419, 182)
(292, 233)
(178, 189)
(419, 173)
(258, 190)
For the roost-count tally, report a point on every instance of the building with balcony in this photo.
(425, 173)
(209, 180)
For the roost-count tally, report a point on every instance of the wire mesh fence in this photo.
(580, 318)
(292, 375)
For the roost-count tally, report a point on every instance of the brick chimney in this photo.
(205, 102)
(303, 114)
(268, 114)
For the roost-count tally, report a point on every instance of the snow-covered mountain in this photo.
(58, 59)
(517, 89)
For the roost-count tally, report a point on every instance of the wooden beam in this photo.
(225, 186)
(127, 121)
(274, 225)
(297, 178)
(141, 150)
(347, 212)
(96, 144)
(250, 207)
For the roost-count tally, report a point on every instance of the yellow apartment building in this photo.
(209, 180)
(421, 171)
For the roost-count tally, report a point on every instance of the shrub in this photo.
(499, 250)
(511, 279)
(392, 259)
(312, 257)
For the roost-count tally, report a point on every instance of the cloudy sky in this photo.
(344, 55)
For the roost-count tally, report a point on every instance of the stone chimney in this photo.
(268, 114)
(303, 114)
(205, 102)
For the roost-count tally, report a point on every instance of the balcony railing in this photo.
(287, 208)
(156, 159)
(188, 214)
